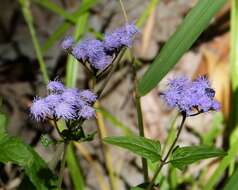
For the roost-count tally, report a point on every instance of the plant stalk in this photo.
(163, 161)
(141, 133)
(105, 151)
(114, 66)
(62, 166)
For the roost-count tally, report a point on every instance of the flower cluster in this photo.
(99, 53)
(188, 95)
(65, 103)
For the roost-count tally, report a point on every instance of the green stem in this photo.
(114, 66)
(164, 161)
(62, 166)
(141, 133)
(25, 4)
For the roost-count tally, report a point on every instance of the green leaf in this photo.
(190, 154)
(137, 188)
(147, 148)
(55, 8)
(193, 25)
(233, 182)
(3, 123)
(14, 150)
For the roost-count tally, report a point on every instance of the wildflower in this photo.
(52, 100)
(72, 96)
(99, 54)
(188, 95)
(67, 43)
(55, 87)
(86, 112)
(65, 110)
(120, 37)
(65, 103)
(40, 109)
(88, 96)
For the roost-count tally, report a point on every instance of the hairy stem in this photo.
(62, 166)
(141, 133)
(164, 161)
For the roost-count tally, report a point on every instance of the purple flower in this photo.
(65, 110)
(52, 100)
(101, 62)
(189, 95)
(88, 95)
(99, 53)
(80, 51)
(65, 103)
(55, 87)
(120, 37)
(40, 109)
(86, 112)
(92, 50)
(72, 96)
(67, 43)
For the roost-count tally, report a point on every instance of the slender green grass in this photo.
(71, 77)
(233, 125)
(72, 64)
(63, 28)
(58, 33)
(152, 5)
(56, 9)
(233, 182)
(212, 181)
(25, 5)
(193, 25)
(74, 168)
(118, 124)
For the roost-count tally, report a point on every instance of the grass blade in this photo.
(107, 115)
(56, 9)
(72, 64)
(193, 25)
(25, 5)
(152, 5)
(233, 125)
(71, 77)
(60, 31)
(233, 182)
(222, 166)
(74, 168)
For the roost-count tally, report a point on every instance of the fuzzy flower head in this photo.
(86, 112)
(72, 97)
(67, 43)
(99, 53)
(63, 103)
(188, 95)
(92, 50)
(120, 37)
(88, 96)
(65, 111)
(40, 109)
(55, 87)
